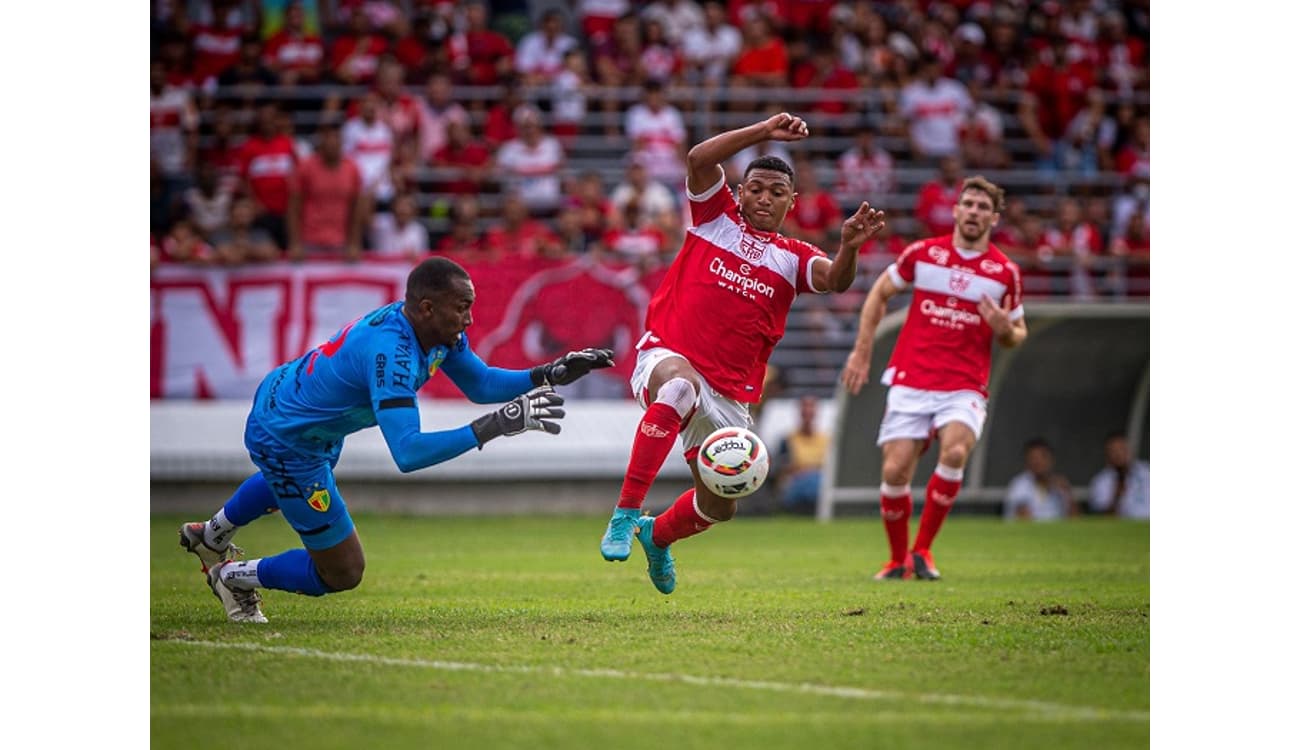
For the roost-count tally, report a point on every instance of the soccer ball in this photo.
(733, 462)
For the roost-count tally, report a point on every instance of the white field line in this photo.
(1046, 709)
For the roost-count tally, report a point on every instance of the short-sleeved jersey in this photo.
(725, 299)
(945, 344)
(311, 403)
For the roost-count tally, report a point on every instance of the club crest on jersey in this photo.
(939, 254)
(752, 248)
(436, 362)
(990, 266)
(958, 281)
(319, 500)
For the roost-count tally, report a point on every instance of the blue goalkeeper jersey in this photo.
(368, 374)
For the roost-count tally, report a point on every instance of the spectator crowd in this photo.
(352, 129)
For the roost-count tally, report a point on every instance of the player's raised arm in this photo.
(838, 275)
(704, 161)
(858, 364)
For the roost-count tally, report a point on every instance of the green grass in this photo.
(763, 606)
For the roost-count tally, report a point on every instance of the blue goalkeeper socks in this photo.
(291, 571)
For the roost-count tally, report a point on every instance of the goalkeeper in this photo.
(367, 374)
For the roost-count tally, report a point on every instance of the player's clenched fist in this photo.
(786, 127)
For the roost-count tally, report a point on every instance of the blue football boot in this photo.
(617, 542)
(662, 573)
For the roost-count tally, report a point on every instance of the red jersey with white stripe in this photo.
(945, 344)
(724, 301)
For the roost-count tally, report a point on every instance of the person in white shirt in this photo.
(1038, 493)
(658, 135)
(712, 48)
(368, 141)
(540, 55)
(399, 233)
(530, 164)
(935, 109)
(1123, 487)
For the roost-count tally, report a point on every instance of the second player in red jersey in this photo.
(965, 295)
(711, 327)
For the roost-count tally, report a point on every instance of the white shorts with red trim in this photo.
(914, 414)
(712, 410)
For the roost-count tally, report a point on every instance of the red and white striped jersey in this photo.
(724, 301)
(945, 344)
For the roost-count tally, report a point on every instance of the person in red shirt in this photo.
(1075, 243)
(479, 56)
(294, 55)
(711, 327)
(1056, 91)
(935, 200)
(354, 56)
(266, 164)
(517, 235)
(464, 236)
(216, 46)
(823, 71)
(465, 160)
(325, 201)
(816, 215)
(763, 60)
(965, 295)
(1131, 276)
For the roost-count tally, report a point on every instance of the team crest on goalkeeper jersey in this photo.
(319, 500)
(436, 362)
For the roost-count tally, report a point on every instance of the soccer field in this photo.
(513, 632)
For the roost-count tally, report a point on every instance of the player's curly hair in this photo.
(432, 276)
(774, 163)
(981, 183)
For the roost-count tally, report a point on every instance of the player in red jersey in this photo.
(965, 295)
(712, 325)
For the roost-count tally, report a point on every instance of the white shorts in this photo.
(713, 411)
(913, 414)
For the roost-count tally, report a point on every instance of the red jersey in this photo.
(724, 300)
(267, 165)
(945, 344)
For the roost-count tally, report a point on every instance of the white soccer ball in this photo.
(733, 462)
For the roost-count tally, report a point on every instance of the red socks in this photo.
(896, 512)
(939, 496)
(680, 521)
(655, 437)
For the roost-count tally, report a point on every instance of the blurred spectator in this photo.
(326, 202)
(569, 92)
(981, 134)
(540, 56)
(1039, 493)
(635, 240)
(656, 200)
(971, 64)
(516, 235)
(399, 233)
(436, 109)
(935, 108)
(1073, 238)
(587, 194)
(800, 456)
(660, 60)
(574, 240)
(479, 56)
(823, 71)
(207, 204)
(678, 17)
(1132, 248)
(815, 216)
(368, 141)
(242, 240)
(1123, 487)
(294, 54)
(467, 158)
(267, 163)
(183, 244)
(936, 198)
(463, 236)
(1124, 57)
(1134, 157)
(1032, 252)
(1136, 198)
(865, 171)
(223, 147)
(500, 124)
(658, 135)
(763, 60)
(248, 75)
(215, 41)
(399, 110)
(1055, 92)
(354, 55)
(711, 49)
(173, 130)
(1089, 139)
(411, 48)
(616, 63)
(530, 164)
(598, 17)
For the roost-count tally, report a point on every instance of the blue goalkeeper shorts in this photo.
(303, 486)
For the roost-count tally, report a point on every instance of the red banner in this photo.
(216, 332)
